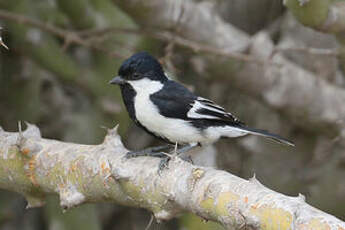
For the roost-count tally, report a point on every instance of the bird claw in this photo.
(133, 154)
(156, 152)
(163, 164)
(188, 159)
(153, 152)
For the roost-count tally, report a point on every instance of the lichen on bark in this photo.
(35, 167)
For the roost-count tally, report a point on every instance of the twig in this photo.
(69, 36)
(310, 50)
(81, 37)
(169, 49)
(168, 36)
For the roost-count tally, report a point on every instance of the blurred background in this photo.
(62, 54)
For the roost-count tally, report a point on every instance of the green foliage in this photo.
(310, 13)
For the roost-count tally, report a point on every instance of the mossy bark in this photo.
(35, 167)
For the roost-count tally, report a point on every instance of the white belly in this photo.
(175, 130)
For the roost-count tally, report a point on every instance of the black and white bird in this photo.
(169, 111)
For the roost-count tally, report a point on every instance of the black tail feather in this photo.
(267, 134)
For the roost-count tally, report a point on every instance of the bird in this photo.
(169, 111)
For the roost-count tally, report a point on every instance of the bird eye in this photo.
(136, 76)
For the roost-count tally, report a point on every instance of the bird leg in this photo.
(186, 148)
(185, 158)
(175, 150)
(164, 163)
(153, 152)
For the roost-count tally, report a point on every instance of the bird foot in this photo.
(188, 159)
(153, 152)
(134, 154)
(163, 164)
(157, 152)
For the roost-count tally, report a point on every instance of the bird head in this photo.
(139, 66)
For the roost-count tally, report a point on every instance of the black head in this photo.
(138, 66)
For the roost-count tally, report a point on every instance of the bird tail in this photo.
(266, 134)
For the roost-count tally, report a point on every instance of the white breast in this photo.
(175, 130)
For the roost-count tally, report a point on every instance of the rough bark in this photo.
(35, 167)
(249, 16)
(188, 16)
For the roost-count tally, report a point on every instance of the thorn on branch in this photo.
(255, 181)
(25, 146)
(253, 177)
(113, 132)
(2, 42)
(113, 138)
(301, 197)
(20, 139)
(70, 197)
(32, 131)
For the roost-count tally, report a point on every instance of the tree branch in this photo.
(86, 37)
(70, 37)
(194, 15)
(34, 167)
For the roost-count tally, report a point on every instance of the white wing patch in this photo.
(203, 108)
(210, 103)
(197, 106)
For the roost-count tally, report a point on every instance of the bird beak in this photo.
(118, 80)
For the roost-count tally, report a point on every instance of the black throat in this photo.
(128, 96)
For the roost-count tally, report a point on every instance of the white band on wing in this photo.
(201, 106)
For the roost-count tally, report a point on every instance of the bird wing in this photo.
(203, 108)
(176, 101)
(173, 100)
